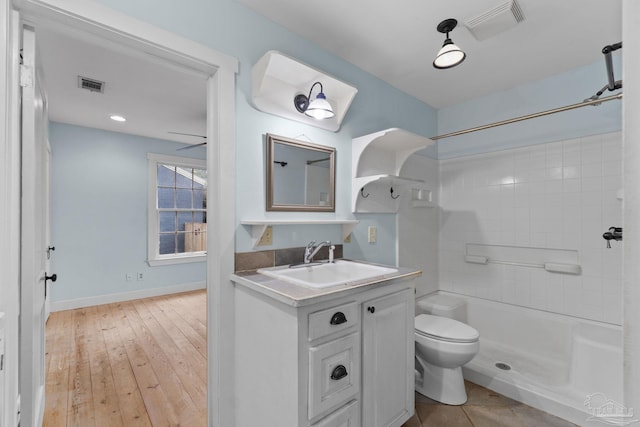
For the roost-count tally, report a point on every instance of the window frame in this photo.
(154, 258)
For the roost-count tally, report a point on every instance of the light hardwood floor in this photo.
(144, 363)
(135, 363)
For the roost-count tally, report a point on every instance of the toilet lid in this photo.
(445, 329)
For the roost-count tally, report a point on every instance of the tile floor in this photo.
(484, 408)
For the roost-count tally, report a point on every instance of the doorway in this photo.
(220, 132)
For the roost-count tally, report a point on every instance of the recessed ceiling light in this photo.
(117, 118)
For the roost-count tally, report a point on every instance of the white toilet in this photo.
(443, 345)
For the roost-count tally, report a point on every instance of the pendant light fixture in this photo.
(449, 55)
(319, 108)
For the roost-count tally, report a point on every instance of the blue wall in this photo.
(231, 28)
(564, 89)
(99, 213)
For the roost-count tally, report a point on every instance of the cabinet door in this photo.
(348, 416)
(387, 358)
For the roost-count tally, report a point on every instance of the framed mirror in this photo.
(300, 176)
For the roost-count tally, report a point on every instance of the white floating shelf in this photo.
(278, 78)
(259, 226)
(377, 159)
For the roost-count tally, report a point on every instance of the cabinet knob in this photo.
(371, 310)
(338, 318)
(339, 372)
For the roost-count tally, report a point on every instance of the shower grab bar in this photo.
(553, 267)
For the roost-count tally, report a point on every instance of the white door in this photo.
(47, 222)
(387, 360)
(33, 236)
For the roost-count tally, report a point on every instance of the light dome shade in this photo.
(320, 108)
(449, 56)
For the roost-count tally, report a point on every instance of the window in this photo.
(177, 209)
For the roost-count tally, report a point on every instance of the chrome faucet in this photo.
(311, 250)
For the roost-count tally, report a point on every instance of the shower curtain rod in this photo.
(530, 116)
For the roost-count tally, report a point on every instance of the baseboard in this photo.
(71, 304)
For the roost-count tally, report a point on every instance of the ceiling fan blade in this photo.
(189, 147)
(188, 134)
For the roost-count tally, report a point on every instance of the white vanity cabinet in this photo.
(342, 360)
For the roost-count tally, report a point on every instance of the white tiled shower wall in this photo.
(562, 195)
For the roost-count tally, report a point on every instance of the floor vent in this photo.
(503, 366)
(90, 84)
(495, 21)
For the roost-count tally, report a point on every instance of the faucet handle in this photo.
(311, 244)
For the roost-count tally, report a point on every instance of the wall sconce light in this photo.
(319, 108)
(449, 55)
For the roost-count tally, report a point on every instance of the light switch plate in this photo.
(373, 234)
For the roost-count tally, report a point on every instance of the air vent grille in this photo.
(90, 84)
(495, 21)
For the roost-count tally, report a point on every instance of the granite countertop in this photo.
(299, 296)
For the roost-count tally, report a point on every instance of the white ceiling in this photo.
(397, 40)
(154, 96)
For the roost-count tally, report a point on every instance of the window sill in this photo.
(185, 259)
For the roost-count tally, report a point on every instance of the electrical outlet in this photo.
(129, 277)
(267, 237)
(373, 234)
(140, 276)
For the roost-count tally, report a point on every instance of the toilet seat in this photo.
(445, 329)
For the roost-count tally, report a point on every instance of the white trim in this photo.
(221, 166)
(153, 257)
(10, 206)
(72, 304)
(89, 16)
(97, 19)
(178, 259)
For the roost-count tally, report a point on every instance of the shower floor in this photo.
(483, 408)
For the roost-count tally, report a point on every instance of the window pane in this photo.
(199, 199)
(181, 201)
(167, 222)
(180, 248)
(167, 244)
(200, 178)
(165, 198)
(183, 218)
(166, 176)
(184, 178)
(183, 198)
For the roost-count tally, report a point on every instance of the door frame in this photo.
(96, 19)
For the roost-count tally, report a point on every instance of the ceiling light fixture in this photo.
(319, 108)
(117, 118)
(449, 55)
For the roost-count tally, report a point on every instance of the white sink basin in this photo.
(340, 272)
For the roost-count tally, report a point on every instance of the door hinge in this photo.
(26, 76)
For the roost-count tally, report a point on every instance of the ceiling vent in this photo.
(90, 84)
(495, 21)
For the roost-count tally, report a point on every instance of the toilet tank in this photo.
(443, 305)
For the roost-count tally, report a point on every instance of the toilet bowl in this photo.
(443, 345)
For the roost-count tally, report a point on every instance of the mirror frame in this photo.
(330, 151)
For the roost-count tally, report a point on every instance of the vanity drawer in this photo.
(332, 320)
(347, 416)
(334, 374)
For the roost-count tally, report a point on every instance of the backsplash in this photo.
(250, 261)
(560, 195)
